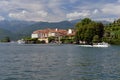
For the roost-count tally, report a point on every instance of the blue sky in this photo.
(58, 10)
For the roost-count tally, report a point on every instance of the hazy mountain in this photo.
(75, 21)
(42, 25)
(14, 26)
(6, 33)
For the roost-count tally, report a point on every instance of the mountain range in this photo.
(19, 29)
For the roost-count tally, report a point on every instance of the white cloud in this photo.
(2, 18)
(95, 11)
(42, 13)
(36, 10)
(29, 16)
(113, 9)
(56, 10)
(73, 1)
(76, 15)
(18, 15)
(23, 9)
(56, 13)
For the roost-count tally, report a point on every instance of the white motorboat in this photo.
(103, 44)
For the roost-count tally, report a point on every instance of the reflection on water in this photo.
(58, 62)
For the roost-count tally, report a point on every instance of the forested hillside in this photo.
(112, 32)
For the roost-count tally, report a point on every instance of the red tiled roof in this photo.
(61, 32)
(49, 30)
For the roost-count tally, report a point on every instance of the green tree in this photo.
(87, 29)
(6, 39)
(95, 39)
(51, 39)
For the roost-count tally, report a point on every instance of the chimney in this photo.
(56, 29)
(69, 31)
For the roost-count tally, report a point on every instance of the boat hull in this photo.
(96, 45)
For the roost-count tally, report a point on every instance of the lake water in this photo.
(58, 62)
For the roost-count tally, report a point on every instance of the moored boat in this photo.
(21, 42)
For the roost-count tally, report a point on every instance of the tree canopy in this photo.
(86, 30)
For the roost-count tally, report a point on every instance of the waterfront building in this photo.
(44, 34)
